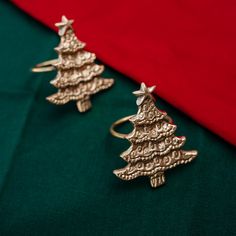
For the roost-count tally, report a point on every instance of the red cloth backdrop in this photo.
(186, 48)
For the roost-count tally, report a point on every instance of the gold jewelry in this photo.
(45, 66)
(78, 76)
(126, 119)
(154, 148)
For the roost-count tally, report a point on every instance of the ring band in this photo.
(119, 122)
(123, 120)
(45, 66)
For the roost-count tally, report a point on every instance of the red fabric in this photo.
(186, 48)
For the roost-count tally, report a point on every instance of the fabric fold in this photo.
(12, 120)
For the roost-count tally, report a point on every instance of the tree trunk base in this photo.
(157, 180)
(84, 105)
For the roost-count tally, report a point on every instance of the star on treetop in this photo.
(143, 92)
(64, 25)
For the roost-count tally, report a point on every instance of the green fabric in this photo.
(56, 164)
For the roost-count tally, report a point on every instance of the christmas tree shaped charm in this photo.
(154, 147)
(78, 76)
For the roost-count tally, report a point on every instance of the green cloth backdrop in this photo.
(56, 164)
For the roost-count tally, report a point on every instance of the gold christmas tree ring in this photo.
(78, 77)
(154, 147)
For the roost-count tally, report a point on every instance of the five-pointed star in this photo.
(64, 25)
(143, 92)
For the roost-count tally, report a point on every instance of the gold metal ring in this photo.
(125, 119)
(119, 122)
(45, 66)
